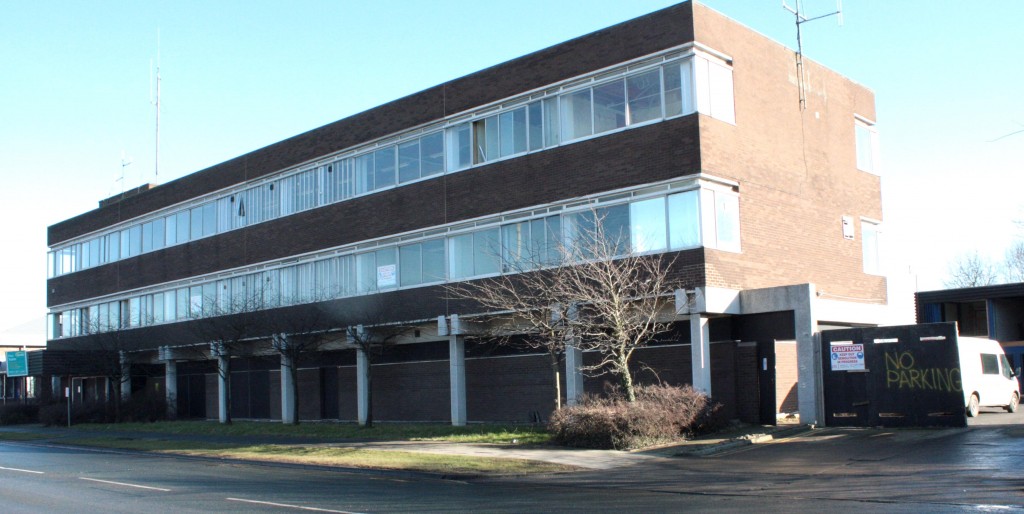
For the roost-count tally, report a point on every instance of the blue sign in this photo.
(17, 364)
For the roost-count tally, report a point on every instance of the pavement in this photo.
(729, 439)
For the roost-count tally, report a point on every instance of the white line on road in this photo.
(126, 485)
(300, 507)
(22, 470)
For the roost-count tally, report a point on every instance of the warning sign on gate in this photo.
(847, 357)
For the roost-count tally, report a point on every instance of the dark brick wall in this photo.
(514, 389)
(651, 33)
(748, 392)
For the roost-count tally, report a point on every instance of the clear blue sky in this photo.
(75, 94)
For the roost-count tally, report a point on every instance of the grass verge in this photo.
(495, 434)
(331, 456)
(22, 436)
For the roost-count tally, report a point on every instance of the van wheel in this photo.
(972, 406)
(1014, 400)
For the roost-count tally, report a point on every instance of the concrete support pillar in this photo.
(362, 386)
(573, 373)
(700, 353)
(288, 413)
(808, 356)
(126, 377)
(457, 367)
(171, 387)
(218, 351)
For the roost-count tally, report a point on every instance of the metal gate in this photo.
(905, 376)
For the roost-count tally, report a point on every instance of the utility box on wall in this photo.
(904, 376)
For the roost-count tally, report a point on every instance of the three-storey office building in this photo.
(682, 128)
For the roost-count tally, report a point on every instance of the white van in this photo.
(988, 380)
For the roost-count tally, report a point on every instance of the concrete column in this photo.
(288, 414)
(218, 351)
(126, 377)
(362, 386)
(700, 353)
(808, 356)
(573, 374)
(171, 387)
(457, 367)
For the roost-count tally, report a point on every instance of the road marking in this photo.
(300, 507)
(126, 485)
(22, 470)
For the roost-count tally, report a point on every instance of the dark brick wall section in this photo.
(509, 389)
(417, 391)
(748, 395)
(663, 29)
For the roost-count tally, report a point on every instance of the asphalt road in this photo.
(836, 470)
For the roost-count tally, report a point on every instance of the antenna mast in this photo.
(800, 20)
(156, 103)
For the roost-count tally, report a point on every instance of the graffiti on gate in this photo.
(901, 372)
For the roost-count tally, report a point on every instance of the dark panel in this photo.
(259, 394)
(906, 382)
(329, 398)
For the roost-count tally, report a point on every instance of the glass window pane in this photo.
(490, 140)
(387, 268)
(647, 228)
(536, 125)
(410, 265)
(196, 228)
(147, 237)
(384, 167)
(113, 246)
(515, 247)
(183, 227)
(159, 309)
(209, 219)
(460, 256)
(409, 161)
(433, 260)
(551, 122)
(513, 131)
(171, 235)
(576, 115)
(364, 173)
(135, 240)
(609, 106)
(431, 154)
(673, 93)
(486, 252)
(644, 93)
(170, 301)
(460, 147)
(684, 220)
(158, 234)
(865, 147)
(720, 86)
(727, 221)
(366, 272)
(615, 228)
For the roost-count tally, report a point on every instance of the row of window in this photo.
(688, 219)
(635, 98)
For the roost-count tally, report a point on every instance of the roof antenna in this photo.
(125, 162)
(800, 20)
(155, 101)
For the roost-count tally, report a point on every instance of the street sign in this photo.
(17, 364)
(847, 357)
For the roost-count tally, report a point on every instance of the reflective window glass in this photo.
(409, 161)
(431, 154)
(684, 220)
(384, 167)
(644, 93)
(576, 120)
(609, 106)
(647, 228)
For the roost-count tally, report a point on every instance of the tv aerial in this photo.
(798, 13)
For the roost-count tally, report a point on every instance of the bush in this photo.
(18, 414)
(56, 414)
(659, 415)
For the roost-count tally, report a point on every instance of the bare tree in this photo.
(298, 333)
(597, 293)
(1015, 262)
(971, 270)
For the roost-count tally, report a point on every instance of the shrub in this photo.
(660, 414)
(18, 413)
(56, 414)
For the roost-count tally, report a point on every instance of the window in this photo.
(867, 145)
(576, 118)
(989, 364)
(384, 167)
(644, 93)
(714, 89)
(647, 228)
(421, 263)
(870, 235)
(609, 106)
(460, 147)
(720, 220)
(366, 272)
(387, 268)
